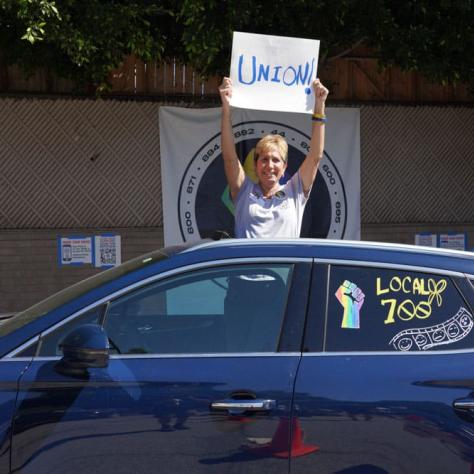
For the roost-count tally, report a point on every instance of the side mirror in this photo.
(83, 348)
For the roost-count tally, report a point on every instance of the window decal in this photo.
(408, 309)
(452, 330)
(351, 298)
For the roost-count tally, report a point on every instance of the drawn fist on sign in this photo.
(351, 298)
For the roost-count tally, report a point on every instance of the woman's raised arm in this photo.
(233, 169)
(309, 167)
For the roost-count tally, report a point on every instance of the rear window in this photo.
(380, 309)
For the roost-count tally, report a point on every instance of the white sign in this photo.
(107, 250)
(453, 240)
(273, 72)
(196, 200)
(74, 250)
(426, 239)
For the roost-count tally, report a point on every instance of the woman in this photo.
(268, 209)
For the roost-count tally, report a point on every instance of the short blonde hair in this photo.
(269, 142)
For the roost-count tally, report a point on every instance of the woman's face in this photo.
(269, 168)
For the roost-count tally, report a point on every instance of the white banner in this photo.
(196, 199)
(273, 72)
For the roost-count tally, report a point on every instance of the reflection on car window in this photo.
(49, 344)
(372, 309)
(221, 309)
(74, 291)
(193, 298)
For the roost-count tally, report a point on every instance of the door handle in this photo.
(464, 407)
(464, 404)
(238, 407)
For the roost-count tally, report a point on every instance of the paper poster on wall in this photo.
(108, 252)
(426, 239)
(453, 240)
(77, 250)
(273, 72)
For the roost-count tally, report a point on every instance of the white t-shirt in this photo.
(279, 216)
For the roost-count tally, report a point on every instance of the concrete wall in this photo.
(29, 269)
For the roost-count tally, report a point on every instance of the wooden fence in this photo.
(351, 79)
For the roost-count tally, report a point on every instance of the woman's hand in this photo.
(320, 94)
(225, 91)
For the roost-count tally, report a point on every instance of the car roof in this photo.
(356, 251)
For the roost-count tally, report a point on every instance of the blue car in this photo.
(248, 356)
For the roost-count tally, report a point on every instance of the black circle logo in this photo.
(204, 203)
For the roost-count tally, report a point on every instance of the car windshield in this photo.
(83, 287)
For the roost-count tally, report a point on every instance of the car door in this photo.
(200, 378)
(10, 374)
(387, 367)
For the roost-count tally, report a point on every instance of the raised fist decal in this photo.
(351, 298)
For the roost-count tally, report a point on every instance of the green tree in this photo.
(433, 37)
(86, 39)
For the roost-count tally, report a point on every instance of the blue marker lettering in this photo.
(293, 70)
(311, 73)
(299, 75)
(275, 76)
(263, 71)
(302, 78)
(254, 67)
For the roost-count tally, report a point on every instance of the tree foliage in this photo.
(434, 37)
(85, 39)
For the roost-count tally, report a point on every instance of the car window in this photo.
(49, 344)
(81, 288)
(237, 308)
(375, 309)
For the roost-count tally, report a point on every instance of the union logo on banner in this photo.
(196, 200)
(205, 206)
